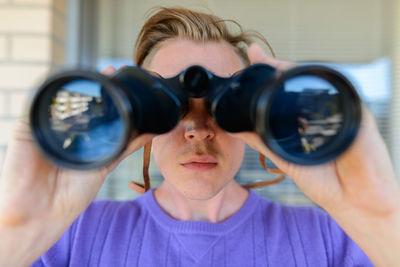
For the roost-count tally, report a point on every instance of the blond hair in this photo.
(168, 23)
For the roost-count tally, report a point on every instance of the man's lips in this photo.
(200, 163)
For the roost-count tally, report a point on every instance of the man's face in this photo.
(197, 158)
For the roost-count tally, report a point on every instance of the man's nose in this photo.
(199, 131)
(198, 122)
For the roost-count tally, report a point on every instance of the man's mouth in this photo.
(200, 163)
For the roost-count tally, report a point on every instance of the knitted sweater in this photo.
(261, 233)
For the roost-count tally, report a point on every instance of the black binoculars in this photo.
(307, 115)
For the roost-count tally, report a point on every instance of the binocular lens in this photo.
(80, 120)
(311, 118)
(305, 115)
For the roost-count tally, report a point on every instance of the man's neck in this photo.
(215, 209)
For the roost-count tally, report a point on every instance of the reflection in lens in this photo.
(83, 122)
(306, 115)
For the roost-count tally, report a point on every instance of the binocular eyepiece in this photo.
(307, 115)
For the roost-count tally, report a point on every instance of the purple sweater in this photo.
(261, 233)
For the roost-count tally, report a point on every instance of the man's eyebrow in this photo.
(156, 74)
(237, 72)
(230, 74)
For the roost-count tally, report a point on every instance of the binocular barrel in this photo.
(307, 115)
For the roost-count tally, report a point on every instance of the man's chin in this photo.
(201, 192)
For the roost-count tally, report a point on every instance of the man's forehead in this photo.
(174, 56)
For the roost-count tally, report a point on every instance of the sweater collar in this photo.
(173, 225)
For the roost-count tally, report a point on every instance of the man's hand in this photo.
(38, 200)
(359, 189)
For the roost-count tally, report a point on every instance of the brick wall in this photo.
(32, 42)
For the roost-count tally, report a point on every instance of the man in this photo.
(200, 216)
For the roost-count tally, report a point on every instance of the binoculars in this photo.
(307, 115)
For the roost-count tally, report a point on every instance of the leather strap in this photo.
(138, 187)
(267, 182)
(142, 188)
